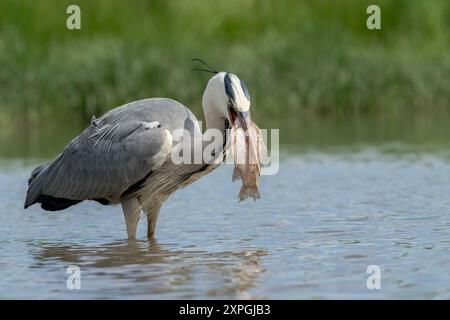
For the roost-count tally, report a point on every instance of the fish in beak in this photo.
(247, 142)
(246, 137)
(251, 136)
(243, 121)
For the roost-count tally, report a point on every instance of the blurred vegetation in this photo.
(298, 58)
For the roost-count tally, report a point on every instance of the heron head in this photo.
(226, 100)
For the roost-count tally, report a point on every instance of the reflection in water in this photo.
(158, 268)
(323, 219)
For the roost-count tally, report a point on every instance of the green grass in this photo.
(297, 57)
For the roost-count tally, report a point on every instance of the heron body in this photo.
(124, 156)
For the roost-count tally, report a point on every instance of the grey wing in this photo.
(103, 161)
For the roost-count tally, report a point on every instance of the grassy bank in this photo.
(297, 57)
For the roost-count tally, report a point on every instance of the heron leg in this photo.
(132, 212)
(152, 216)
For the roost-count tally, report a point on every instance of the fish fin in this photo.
(236, 174)
(247, 192)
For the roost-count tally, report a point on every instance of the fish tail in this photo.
(247, 192)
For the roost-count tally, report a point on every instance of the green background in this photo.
(312, 67)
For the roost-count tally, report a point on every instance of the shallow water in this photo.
(323, 219)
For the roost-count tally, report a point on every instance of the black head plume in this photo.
(209, 68)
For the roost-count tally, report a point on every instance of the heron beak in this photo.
(244, 120)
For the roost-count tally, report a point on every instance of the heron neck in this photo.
(213, 119)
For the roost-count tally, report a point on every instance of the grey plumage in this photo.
(116, 151)
(125, 155)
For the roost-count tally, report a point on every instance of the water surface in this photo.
(322, 220)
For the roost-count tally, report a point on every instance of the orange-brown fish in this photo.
(248, 173)
(247, 146)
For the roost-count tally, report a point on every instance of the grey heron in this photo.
(124, 156)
